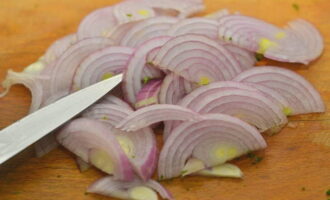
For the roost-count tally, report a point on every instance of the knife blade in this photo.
(33, 127)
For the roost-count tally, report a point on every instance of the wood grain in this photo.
(296, 164)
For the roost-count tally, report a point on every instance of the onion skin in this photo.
(196, 139)
(303, 98)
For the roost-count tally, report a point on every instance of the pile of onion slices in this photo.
(194, 76)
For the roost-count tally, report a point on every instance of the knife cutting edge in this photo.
(33, 127)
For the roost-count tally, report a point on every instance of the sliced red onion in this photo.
(218, 14)
(149, 94)
(98, 23)
(172, 89)
(139, 146)
(101, 65)
(128, 11)
(224, 170)
(197, 58)
(31, 81)
(59, 47)
(135, 189)
(45, 145)
(245, 58)
(197, 167)
(239, 100)
(272, 94)
(301, 95)
(110, 99)
(183, 8)
(64, 70)
(299, 42)
(133, 75)
(146, 30)
(83, 166)
(214, 140)
(146, 116)
(118, 32)
(196, 25)
(94, 142)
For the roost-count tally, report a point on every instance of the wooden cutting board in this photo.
(296, 165)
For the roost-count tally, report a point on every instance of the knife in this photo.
(33, 127)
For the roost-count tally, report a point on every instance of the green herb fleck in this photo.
(230, 39)
(328, 192)
(150, 63)
(161, 177)
(183, 172)
(255, 159)
(296, 6)
(259, 57)
(146, 79)
(251, 155)
(303, 189)
(129, 15)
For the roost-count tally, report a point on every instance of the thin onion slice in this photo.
(245, 58)
(135, 189)
(299, 42)
(90, 139)
(31, 81)
(140, 146)
(182, 9)
(97, 24)
(197, 58)
(111, 99)
(133, 75)
(172, 89)
(302, 96)
(146, 30)
(224, 170)
(59, 47)
(214, 140)
(239, 100)
(101, 65)
(119, 31)
(128, 11)
(156, 113)
(148, 95)
(218, 14)
(64, 70)
(196, 25)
